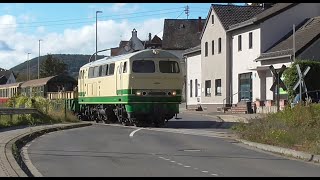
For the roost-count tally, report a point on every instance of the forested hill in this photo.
(73, 61)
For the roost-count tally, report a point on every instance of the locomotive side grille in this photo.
(157, 93)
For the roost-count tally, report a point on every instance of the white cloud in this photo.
(41, 29)
(116, 7)
(123, 8)
(71, 41)
(26, 18)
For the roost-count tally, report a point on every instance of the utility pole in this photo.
(97, 33)
(186, 10)
(39, 60)
(28, 66)
(294, 43)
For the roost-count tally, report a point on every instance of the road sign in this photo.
(301, 82)
(277, 82)
(277, 78)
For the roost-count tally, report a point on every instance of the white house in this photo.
(266, 39)
(216, 66)
(193, 66)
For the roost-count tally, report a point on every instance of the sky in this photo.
(70, 28)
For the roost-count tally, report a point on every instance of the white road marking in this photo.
(186, 166)
(132, 133)
(182, 131)
(191, 150)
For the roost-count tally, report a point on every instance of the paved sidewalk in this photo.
(8, 165)
(225, 117)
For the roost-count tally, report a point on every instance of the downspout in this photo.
(185, 80)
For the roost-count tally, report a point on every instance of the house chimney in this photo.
(199, 24)
(149, 37)
(134, 33)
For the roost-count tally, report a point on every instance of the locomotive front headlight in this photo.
(174, 93)
(138, 93)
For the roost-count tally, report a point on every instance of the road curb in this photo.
(14, 146)
(284, 151)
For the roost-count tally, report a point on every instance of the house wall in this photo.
(278, 26)
(193, 72)
(213, 66)
(243, 61)
(312, 52)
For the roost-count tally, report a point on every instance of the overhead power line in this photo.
(91, 21)
(77, 19)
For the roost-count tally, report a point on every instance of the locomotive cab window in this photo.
(125, 67)
(96, 71)
(169, 67)
(104, 70)
(143, 66)
(91, 72)
(100, 71)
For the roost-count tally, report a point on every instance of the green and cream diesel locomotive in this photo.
(139, 88)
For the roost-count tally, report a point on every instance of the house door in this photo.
(245, 87)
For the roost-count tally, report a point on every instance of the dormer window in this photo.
(182, 26)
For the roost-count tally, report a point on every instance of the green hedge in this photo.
(311, 79)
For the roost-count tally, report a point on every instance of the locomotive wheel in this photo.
(159, 122)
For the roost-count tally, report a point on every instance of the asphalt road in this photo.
(191, 146)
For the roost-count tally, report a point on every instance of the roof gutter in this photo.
(242, 24)
(271, 58)
(192, 51)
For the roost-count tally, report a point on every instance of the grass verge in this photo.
(295, 128)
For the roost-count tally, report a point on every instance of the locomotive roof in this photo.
(143, 54)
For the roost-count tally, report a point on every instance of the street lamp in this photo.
(97, 32)
(39, 60)
(28, 66)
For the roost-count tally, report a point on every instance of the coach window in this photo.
(111, 69)
(143, 66)
(125, 67)
(169, 67)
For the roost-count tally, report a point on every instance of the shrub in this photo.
(53, 111)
